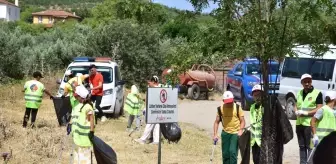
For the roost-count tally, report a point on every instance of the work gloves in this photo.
(91, 135)
(215, 140)
(68, 129)
(315, 140)
(301, 112)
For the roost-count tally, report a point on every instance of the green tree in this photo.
(264, 29)
(134, 47)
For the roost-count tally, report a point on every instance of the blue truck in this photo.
(247, 73)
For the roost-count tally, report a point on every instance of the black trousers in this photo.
(27, 115)
(304, 135)
(97, 99)
(256, 153)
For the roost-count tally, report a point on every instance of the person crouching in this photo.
(82, 126)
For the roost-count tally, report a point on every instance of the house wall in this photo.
(3, 11)
(45, 19)
(13, 13)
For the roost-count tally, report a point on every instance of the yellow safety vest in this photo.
(256, 124)
(33, 94)
(308, 104)
(71, 85)
(80, 125)
(327, 124)
(132, 104)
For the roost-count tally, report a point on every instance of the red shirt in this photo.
(94, 80)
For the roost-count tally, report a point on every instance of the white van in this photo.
(320, 68)
(113, 98)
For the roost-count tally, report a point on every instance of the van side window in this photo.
(117, 73)
(320, 69)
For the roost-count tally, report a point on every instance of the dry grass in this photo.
(43, 144)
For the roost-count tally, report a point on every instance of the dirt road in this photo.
(202, 114)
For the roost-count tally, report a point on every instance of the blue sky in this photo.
(183, 4)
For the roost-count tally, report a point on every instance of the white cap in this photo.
(79, 74)
(257, 88)
(68, 72)
(228, 97)
(304, 76)
(82, 91)
(134, 89)
(331, 95)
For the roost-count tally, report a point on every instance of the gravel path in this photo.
(202, 114)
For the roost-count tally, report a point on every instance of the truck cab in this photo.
(113, 98)
(245, 74)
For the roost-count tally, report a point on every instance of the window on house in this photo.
(39, 19)
(50, 19)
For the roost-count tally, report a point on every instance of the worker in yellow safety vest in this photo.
(133, 105)
(309, 100)
(82, 126)
(72, 83)
(33, 94)
(256, 114)
(324, 118)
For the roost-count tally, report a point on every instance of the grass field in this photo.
(43, 144)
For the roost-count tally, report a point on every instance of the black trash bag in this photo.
(63, 110)
(276, 131)
(103, 152)
(171, 131)
(325, 151)
(244, 143)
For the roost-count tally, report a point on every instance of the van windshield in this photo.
(319, 69)
(252, 69)
(107, 72)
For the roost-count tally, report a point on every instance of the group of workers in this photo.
(82, 124)
(314, 121)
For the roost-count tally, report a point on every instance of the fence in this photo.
(221, 74)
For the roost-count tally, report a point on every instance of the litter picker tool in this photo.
(310, 158)
(213, 150)
(59, 159)
(135, 129)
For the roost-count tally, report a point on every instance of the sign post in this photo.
(161, 108)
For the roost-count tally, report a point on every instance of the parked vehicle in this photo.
(320, 68)
(199, 79)
(245, 74)
(113, 98)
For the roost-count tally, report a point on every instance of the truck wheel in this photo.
(194, 92)
(290, 104)
(116, 113)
